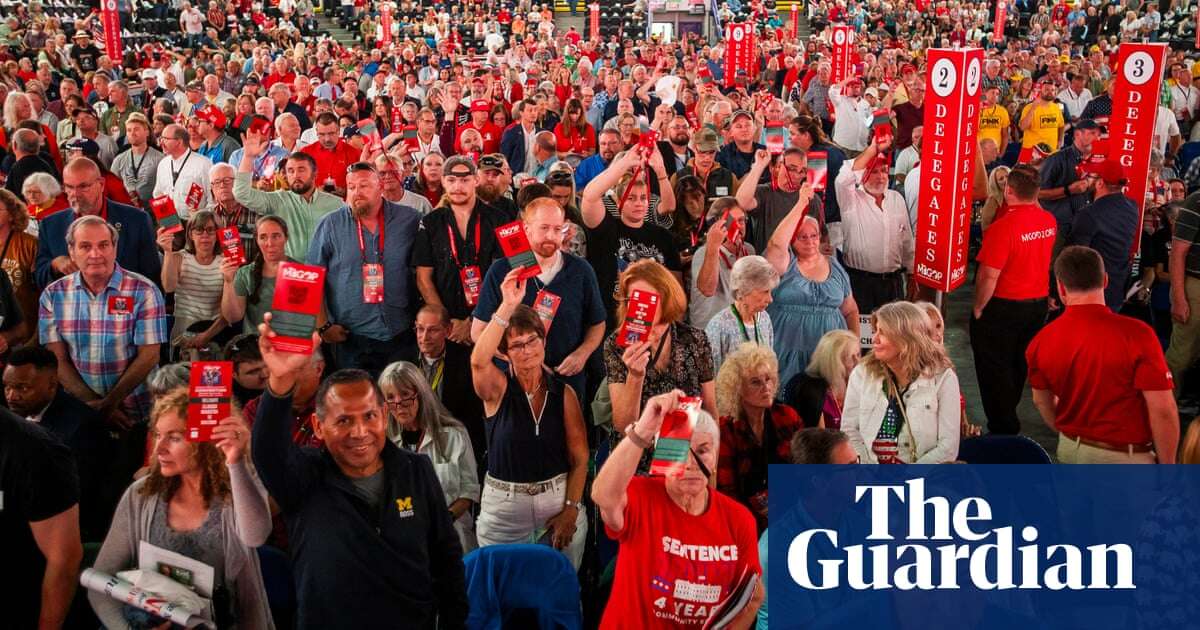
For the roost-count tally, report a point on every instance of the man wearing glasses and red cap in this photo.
(1108, 225)
(218, 146)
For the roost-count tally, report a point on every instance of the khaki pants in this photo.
(1185, 338)
(1072, 451)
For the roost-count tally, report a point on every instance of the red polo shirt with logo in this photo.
(1098, 363)
(332, 163)
(1019, 244)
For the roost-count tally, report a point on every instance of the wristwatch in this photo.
(635, 438)
(327, 326)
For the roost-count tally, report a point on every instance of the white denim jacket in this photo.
(932, 405)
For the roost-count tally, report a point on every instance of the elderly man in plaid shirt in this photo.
(105, 325)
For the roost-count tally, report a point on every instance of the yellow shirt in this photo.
(1047, 120)
(992, 123)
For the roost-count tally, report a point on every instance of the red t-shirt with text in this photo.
(1019, 244)
(675, 569)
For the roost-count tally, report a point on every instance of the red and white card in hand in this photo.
(517, 249)
(165, 214)
(210, 392)
(231, 244)
(639, 317)
(674, 441)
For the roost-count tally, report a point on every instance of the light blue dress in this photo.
(802, 312)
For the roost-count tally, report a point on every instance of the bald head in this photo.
(83, 167)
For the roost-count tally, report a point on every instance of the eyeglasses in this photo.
(560, 177)
(204, 230)
(222, 181)
(359, 167)
(389, 173)
(68, 188)
(403, 401)
(521, 346)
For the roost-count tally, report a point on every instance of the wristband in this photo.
(499, 321)
(570, 503)
(635, 438)
(322, 329)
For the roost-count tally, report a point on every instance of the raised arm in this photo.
(609, 488)
(490, 382)
(779, 248)
(708, 279)
(666, 194)
(233, 306)
(745, 190)
(253, 145)
(591, 203)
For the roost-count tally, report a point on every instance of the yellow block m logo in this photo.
(404, 505)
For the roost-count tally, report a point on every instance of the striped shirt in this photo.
(198, 295)
(101, 336)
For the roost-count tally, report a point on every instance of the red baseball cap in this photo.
(480, 105)
(213, 116)
(1111, 172)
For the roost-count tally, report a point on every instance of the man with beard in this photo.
(674, 149)
(495, 181)
(456, 245)
(565, 294)
(1064, 189)
(610, 144)
(366, 283)
(331, 153)
(489, 131)
(301, 205)
(878, 238)
(768, 203)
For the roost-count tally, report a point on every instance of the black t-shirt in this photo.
(10, 314)
(432, 249)
(37, 481)
(613, 246)
(88, 57)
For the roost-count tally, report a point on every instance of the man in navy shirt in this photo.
(738, 154)
(136, 250)
(1109, 225)
(365, 248)
(565, 294)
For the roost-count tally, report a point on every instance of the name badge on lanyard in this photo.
(546, 305)
(372, 273)
(470, 276)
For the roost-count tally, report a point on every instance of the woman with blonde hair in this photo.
(18, 254)
(902, 401)
(755, 430)
(1189, 447)
(420, 423)
(993, 207)
(818, 393)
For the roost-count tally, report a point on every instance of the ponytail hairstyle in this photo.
(256, 269)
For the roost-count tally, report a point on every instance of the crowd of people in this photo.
(460, 415)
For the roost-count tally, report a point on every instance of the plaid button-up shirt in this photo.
(102, 335)
(740, 452)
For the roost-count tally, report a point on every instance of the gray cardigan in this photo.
(245, 522)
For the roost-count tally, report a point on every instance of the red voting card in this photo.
(210, 391)
(775, 138)
(163, 208)
(370, 134)
(397, 118)
(818, 169)
(298, 293)
(639, 317)
(516, 247)
(733, 227)
(261, 126)
(881, 126)
(195, 197)
(546, 306)
(231, 244)
(674, 441)
(410, 137)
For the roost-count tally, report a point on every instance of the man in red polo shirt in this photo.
(1100, 379)
(333, 155)
(490, 131)
(1011, 288)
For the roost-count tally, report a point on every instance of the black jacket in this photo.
(84, 432)
(354, 569)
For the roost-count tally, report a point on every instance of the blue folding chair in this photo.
(522, 586)
(1002, 449)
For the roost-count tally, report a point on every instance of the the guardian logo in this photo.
(989, 561)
